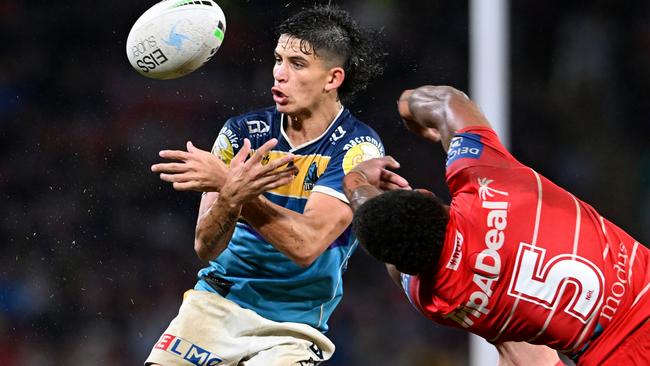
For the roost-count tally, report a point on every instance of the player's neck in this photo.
(307, 126)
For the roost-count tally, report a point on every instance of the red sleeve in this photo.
(475, 146)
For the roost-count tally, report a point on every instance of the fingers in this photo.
(291, 170)
(390, 162)
(279, 183)
(190, 147)
(428, 133)
(242, 154)
(393, 178)
(186, 186)
(172, 178)
(169, 168)
(274, 180)
(262, 151)
(388, 186)
(403, 104)
(276, 163)
(174, 155)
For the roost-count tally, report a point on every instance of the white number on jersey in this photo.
(545, 283)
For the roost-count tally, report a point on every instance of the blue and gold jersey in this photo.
(251, 272)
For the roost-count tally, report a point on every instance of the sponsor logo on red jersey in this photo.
(618, 288)
(487, 263)
(457, 253)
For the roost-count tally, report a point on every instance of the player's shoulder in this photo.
(267, 115)
(351, 132)
(353, 125)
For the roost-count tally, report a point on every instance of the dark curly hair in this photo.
(330, 31)
(404, 228)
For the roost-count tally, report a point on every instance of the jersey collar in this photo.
(294, 148)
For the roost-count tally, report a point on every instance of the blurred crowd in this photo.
(96, 251)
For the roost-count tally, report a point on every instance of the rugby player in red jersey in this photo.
(514, 257)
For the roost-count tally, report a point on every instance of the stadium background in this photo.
(96, 251)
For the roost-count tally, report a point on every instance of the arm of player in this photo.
(301, 237)
(218, 212)
(522, 353)
(437, 112)
(214, 226)
(304, 237)
(369, 178)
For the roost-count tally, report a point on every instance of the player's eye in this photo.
(298, 65)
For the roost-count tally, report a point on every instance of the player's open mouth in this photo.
(278, 96)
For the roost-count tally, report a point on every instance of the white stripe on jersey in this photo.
(330, 192)
(576, 238)
(632, 258)
(538, 215)
(640, 295)
(600, 302)
(602, 226)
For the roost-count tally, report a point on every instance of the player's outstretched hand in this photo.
(194, 169)
(378, 174)
(250, 178)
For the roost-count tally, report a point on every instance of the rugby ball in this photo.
(175, 37)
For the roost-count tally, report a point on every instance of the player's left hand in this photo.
(195, 169)
(378, 174)
(250, 178)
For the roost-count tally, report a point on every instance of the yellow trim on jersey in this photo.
(296, 189)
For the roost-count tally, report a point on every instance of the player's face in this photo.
(300, 78)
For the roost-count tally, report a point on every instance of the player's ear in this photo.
(335, 78)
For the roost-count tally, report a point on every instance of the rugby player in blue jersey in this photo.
(277, 236)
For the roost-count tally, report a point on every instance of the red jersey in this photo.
(525, 260)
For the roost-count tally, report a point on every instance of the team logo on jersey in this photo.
(464, 145)
(358, 153)
(225, 145)
(257, 127)
(187, 350)
(311, 177)
(485, 191)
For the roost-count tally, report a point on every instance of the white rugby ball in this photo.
(175, 37)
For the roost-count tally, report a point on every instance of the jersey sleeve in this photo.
(229, 140)
(410, 285)
(360, 146)
(475, 146)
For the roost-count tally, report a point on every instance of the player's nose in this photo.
(280, 73)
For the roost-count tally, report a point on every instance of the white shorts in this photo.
(211, 330)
